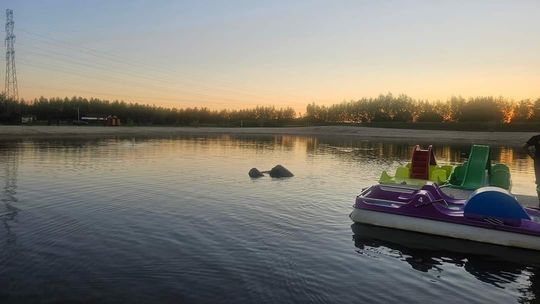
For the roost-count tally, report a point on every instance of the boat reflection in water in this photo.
(492, 264)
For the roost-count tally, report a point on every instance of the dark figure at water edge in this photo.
(532, 146)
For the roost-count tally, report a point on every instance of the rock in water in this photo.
(254, 173)
(280, 171)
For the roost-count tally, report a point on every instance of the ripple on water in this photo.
(178, 220)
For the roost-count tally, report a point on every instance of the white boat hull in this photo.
(465, 232)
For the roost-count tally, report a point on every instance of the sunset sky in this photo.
(236, 54)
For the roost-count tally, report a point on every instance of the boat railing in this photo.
(400, 189)
(373, 201)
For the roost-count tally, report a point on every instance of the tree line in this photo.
(402, 108)
(384, 108)
(66, 110)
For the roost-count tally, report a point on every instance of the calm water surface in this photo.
(178, 220)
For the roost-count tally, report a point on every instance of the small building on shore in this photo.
(113, 121)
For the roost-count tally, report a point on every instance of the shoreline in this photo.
(360, 133)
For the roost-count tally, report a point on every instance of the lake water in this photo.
(178, 220)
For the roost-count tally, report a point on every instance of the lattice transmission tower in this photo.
(11, 89)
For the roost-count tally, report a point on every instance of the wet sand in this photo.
(362, 133)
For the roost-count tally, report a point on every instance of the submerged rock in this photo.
(280, 171)
(254, 173)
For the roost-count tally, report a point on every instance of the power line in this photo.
(69, 59)
(99, 54)
(72, 65)
(144, 81)
(11, 88)
(115, 59)
(131, 81)
(77, 73)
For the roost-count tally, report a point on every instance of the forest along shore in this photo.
(362, 133)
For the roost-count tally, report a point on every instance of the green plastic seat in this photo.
(402, 172)
(449, 169)
(500, 176)
(385, 178)
(457, 176)
(438, 176)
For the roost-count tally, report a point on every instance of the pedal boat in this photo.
(490, 214)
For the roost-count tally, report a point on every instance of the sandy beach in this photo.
(362, 133)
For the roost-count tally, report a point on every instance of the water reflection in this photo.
(8, 213)
(453, 153)
(369, 157)
(175, 212)
(346, 147)
(496, 265)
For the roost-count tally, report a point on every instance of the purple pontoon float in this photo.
(490, 215)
